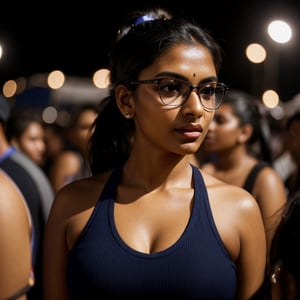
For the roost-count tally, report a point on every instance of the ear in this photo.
(245, 133)
(125, 101)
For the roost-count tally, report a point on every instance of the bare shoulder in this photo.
(79, 195)
(269, 186)
(269, 175)
(235, 211)
(73, 206)
(229, 198)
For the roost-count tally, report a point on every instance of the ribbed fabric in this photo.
(197, 266)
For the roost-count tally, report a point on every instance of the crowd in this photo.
(167, 187)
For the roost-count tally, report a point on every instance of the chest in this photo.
(155, 221)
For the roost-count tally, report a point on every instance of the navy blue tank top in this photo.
(197, 266)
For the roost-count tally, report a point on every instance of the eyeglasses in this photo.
(175, 92)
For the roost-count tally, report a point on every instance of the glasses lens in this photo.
(173, 91)
(212, 95)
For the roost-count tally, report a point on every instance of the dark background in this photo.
(75, 37)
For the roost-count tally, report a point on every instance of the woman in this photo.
(16, 277)
(72, 163)
(236, 128)
(148, 223)
(25, 130)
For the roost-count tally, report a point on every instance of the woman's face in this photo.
(32, 142)
(224, 130)
(179, 130)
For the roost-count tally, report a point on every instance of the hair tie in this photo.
(138, 21)
(143, 19)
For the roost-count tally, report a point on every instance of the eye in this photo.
(208, 91)
(170, 87)
(219, 119)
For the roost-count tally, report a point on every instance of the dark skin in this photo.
(159, 169)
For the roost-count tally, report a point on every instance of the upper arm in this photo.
(55, 251)
(15, 241)
(251, 262)
(240, 225)
(270, 194)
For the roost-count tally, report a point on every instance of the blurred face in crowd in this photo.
(32, 142)
(55, 142)
(224, 131)
(82, 130)
(293, 141)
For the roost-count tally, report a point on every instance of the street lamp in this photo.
(256, 54)
(281, 33)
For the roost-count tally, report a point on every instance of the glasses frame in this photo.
(191, 88)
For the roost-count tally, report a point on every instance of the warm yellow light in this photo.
(101, 78)
(56, 79)
(270, 99)
(256, 53)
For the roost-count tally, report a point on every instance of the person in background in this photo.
(71, 164)
(16, 238)
(292, 146)
(25, 131)
(36, 189)
(148, 224)
(55, 141)
(236, 127)
(282, 281)
(284, 256)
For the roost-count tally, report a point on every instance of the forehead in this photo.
(225, 109)
(186, 60)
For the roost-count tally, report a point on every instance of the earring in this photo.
(127, 115)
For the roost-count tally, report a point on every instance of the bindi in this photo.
(194, 74)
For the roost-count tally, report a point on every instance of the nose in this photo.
(192, 105)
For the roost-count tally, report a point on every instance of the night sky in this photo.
(76, 38)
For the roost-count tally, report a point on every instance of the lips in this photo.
(191, 128)
(191, 131)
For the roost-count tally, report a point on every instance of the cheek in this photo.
(229, 126)
(148, 107)
(226, 133)
(208, 122)
(157, 121)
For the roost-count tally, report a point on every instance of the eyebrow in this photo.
(179, 76)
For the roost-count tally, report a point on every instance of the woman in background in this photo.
(229, 148)
(72, 163)
(25, 131)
